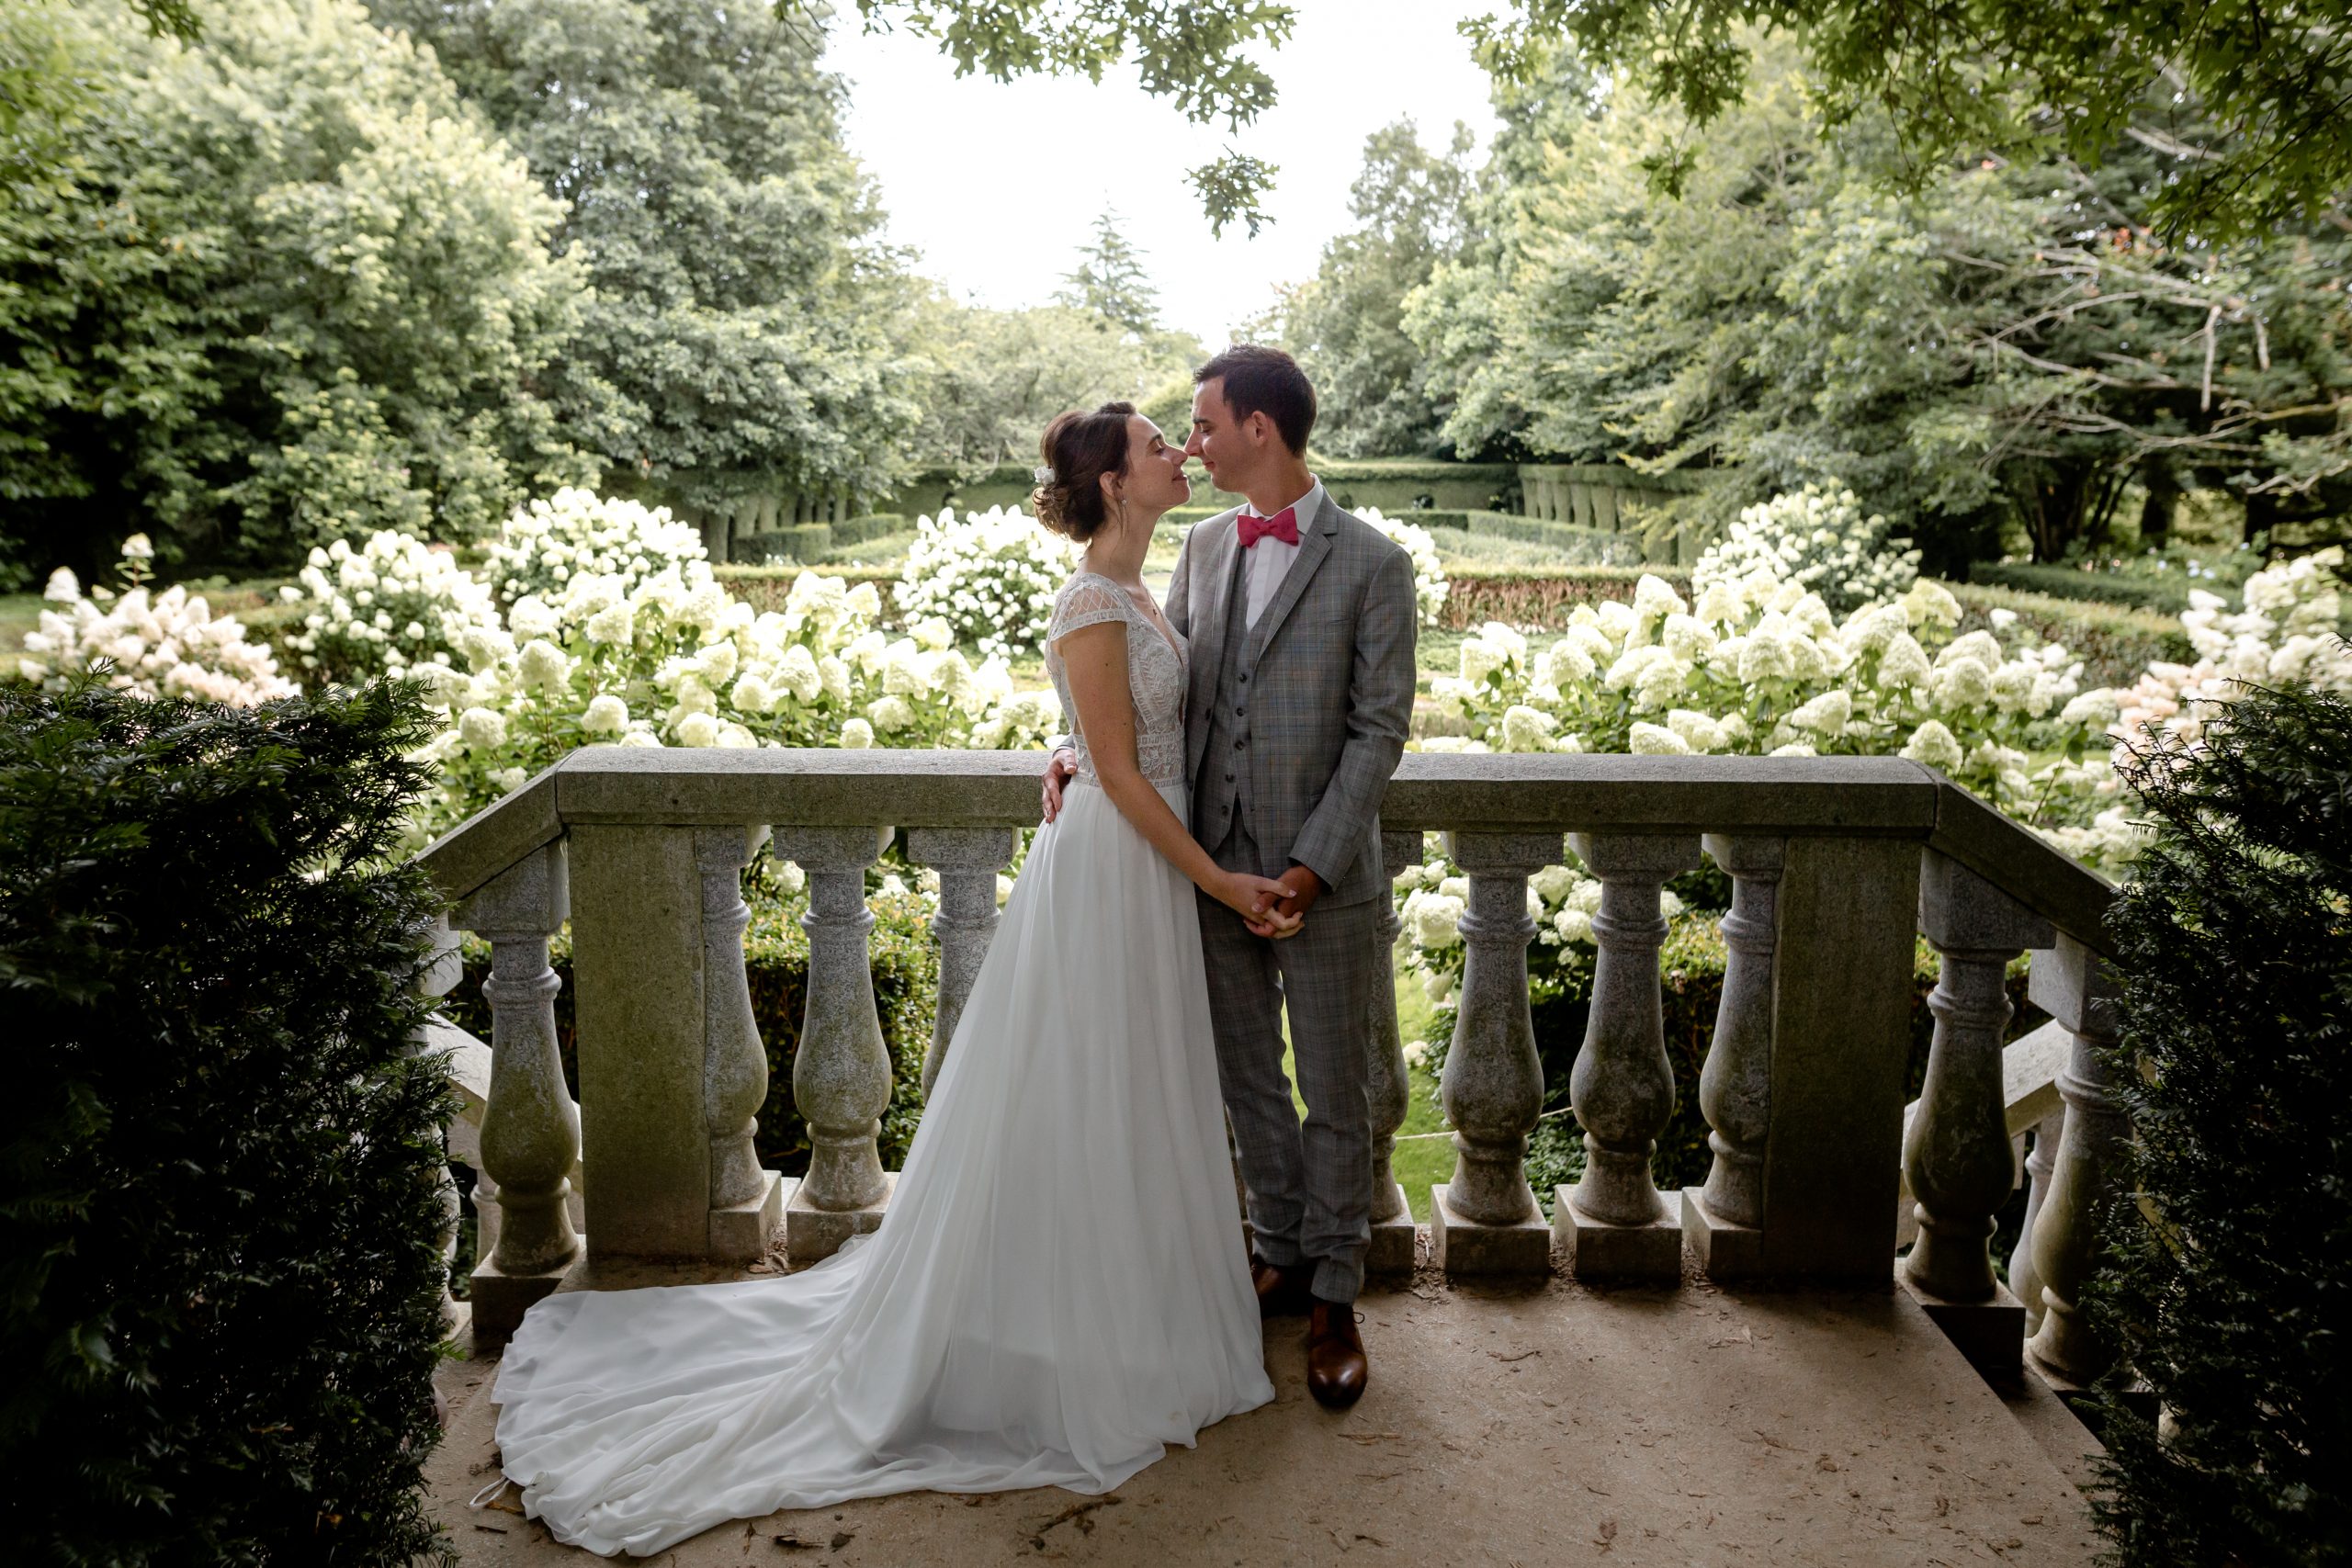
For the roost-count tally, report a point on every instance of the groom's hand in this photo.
(1063, 766)
(1307, 887)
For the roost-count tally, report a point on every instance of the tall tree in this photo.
(2251, 102)
(2009, 342)
(738, 336)
(992, 379)
(1110, 281)
(275, 286)
(1346, 324)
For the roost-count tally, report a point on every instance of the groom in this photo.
(1301, 622)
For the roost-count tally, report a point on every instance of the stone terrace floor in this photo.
(1515, 1427)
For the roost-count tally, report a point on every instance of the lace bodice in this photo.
(1155, 674)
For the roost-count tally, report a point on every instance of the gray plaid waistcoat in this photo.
(1309, 708)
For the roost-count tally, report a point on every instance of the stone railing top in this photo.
(1784, 797)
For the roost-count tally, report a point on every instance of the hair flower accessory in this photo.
(1042, 473)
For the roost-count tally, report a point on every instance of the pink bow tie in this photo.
(1283, 525)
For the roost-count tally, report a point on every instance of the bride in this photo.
(1059, 1289)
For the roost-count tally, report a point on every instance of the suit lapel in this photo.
(1212, 576)
(1314, 544)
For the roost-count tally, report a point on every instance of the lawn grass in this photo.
(1424, 1153)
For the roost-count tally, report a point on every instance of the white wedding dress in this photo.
(1059, 1289)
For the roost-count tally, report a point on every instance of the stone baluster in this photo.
(1387, 1086)
(2024, 1282)
(1957, 1155)
(2079, 991)
(530, 1128)
(1612, 1224)
(746, 1201)
(1485, 1220)
(444, 967)
(1723, 1221)
(841, 1074)
(967, 860)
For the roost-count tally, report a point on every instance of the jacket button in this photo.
(1243, 678)
(1240, 744)
(1240, 713)
(1228, 778)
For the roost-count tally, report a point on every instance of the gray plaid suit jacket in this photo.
(1332, 672)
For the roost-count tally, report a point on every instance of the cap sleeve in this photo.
(1086, 602)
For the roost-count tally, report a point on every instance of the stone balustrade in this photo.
(1836, 864)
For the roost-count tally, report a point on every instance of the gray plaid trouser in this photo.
(1309, 1187)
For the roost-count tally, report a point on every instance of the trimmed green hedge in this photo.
(1577, 547)
(2072, 582)
(2115, 643)
(775, 959)
(1542, 597)
(220, 1267)
(764, 587)
(793, 542)
(873, 525)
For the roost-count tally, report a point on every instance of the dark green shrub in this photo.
(793, 542)
(222, 1304)
(2228, 1285)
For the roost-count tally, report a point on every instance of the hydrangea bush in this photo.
(1430, 584)
(1819, 539)
(167, 644)
(392, 603)
(991, 577)
(677, 660)
(579, 533)
(1759, 665)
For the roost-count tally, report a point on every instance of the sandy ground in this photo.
(1546, 1425)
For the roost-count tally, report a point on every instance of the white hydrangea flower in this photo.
(697, 729)
(856, 735)
(1935, 746)
(484, 729)
(605, 714)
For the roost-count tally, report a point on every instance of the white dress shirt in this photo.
(1267, 562)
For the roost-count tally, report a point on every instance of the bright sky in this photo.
(997, 185)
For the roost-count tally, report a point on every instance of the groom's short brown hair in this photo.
(1258, 379)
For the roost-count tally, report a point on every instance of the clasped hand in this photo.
(1270, 907)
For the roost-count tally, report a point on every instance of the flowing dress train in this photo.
(1058, 1290)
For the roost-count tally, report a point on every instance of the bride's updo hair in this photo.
(1078, 449)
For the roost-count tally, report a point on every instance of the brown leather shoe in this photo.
(1337, 1369)
(1282, 1291)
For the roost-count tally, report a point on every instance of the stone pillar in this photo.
(530, 1128)
(1842, 959)
(840, 1076)
(2024, 1283)
(1578, 510)
(1605, 508)
(1613, 1225)
(967, 860)
(1387, 1084)
(1956, 1154)
(746, 1201)
(2078, 989)
(1723, 1222)
(1485, 1220)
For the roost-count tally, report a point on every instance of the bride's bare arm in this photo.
(1095, 659)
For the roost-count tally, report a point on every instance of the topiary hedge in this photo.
(2228, 1284)
(221, 1229)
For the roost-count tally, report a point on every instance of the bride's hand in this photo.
(1253, 898)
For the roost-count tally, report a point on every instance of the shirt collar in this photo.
(1302, 509)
